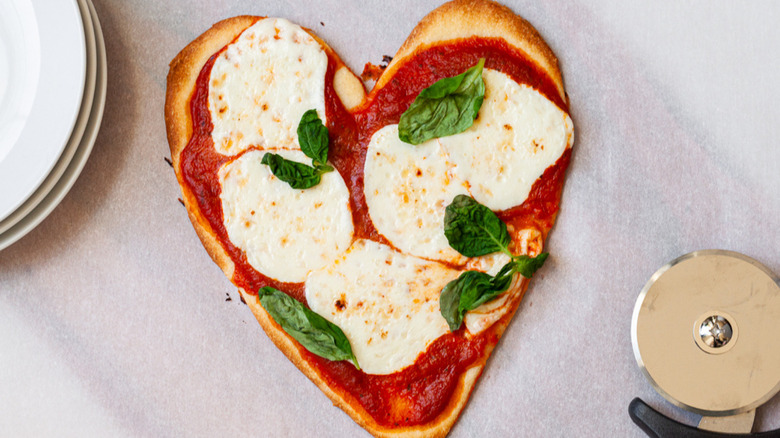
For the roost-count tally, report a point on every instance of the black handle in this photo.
(657, 425)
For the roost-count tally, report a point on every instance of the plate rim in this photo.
(72, 172)
(78, 131)
(61, 81)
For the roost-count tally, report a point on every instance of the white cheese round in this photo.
(261, 85)
(407, 188)
(387, 303)
(285, 233)
(517, 135)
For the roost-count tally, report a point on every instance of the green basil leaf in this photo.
(473, 297)
(522, 264)
(458, 294)
(315, 333)
(473, 229)
(526, 266)
(297, 175)
(467, 292)
(447, 107)
(313, 137)
(503, 278)
(473, 288)
(323, 168)
(480, 294)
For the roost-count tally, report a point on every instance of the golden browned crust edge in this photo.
(454, 20)
(461, 19)
(436, 428)
(183, 73)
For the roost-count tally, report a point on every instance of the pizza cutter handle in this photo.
(657, 425)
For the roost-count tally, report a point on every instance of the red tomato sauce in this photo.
(420, 392)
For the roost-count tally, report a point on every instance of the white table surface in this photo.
(115, 322)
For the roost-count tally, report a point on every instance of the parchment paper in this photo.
(115, 322)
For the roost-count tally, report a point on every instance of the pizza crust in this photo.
(461, 19)
(437, 428)
(452, 21)
(183, 73)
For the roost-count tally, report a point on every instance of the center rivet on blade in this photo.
(715, 331)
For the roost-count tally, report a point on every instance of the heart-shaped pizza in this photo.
(382, 240)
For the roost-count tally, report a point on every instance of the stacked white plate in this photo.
(52, 95)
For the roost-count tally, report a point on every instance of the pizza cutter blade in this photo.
(704, 334)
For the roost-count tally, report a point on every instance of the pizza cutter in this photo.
(704, 333)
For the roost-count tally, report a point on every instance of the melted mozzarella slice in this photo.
(407, 188)
(491, 263)
(261, 85)
(387, 303)
(518, 134)
(285, 233)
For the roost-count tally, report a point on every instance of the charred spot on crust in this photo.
(371, 72)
